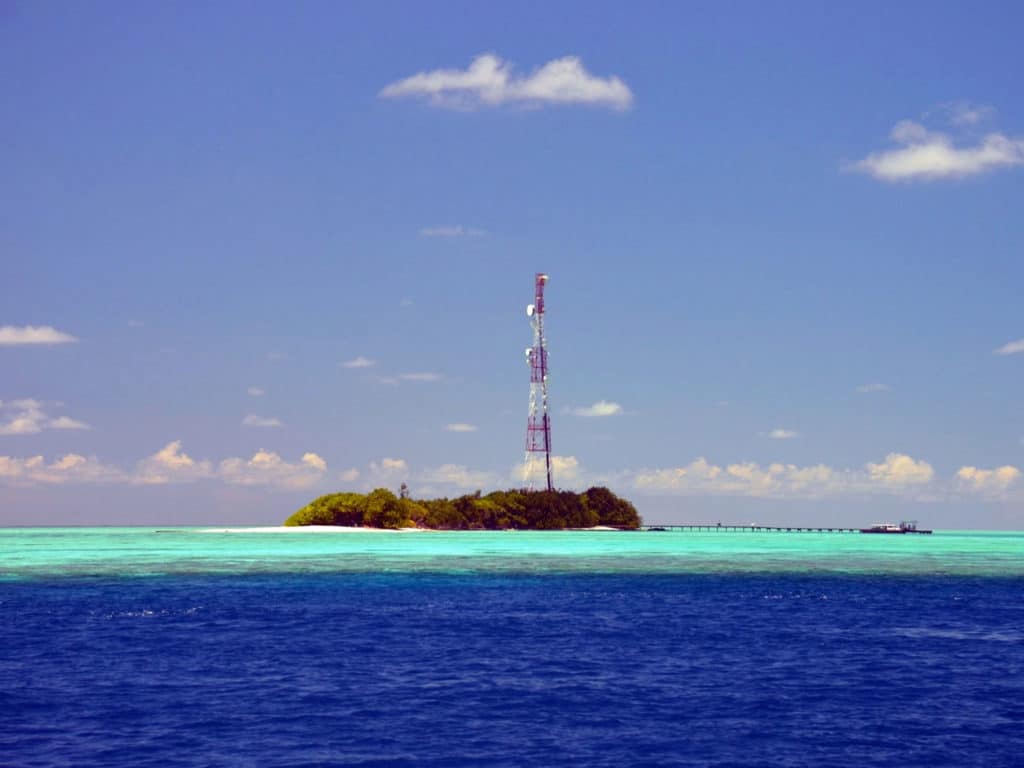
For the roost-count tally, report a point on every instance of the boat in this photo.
(905, 526)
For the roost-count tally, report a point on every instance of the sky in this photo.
(252, 253)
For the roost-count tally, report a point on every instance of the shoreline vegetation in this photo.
(499, 510)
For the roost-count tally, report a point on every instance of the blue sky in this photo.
(784, 245)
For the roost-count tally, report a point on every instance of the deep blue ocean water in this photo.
(443, 669)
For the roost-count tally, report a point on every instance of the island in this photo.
(499, 510)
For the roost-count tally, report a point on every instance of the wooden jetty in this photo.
(719, 527)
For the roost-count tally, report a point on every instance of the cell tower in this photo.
(538, 425)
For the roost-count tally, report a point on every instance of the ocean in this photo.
(235, 647)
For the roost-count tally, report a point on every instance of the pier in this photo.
(716, 527)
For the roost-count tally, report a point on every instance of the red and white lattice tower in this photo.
(538, 425)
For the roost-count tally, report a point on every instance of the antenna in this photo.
(538, 424)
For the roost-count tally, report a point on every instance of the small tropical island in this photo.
(499, 510)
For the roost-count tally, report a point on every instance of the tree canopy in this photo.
(499, 510)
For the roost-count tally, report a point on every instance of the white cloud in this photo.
(598, 409)
(930, 155)
(252, 420)
(69, 469)
(314, 461)
(458, 476)
(171, 465)
(898, 474)
(168, 465)
(489, 82)
(11, 335)
(20, 425)
(566, 471)
(452, 231)
(386, 472)
(987, 481)
(28, 417)
(566, 468)
(359, 362)
(783, 434)
(256, 391)
(898, 469)
(1011, 348)
(868, 388)
(460, 428)
(268, 468)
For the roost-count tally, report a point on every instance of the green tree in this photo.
(611, 509)
(332, 509)
(383, 509)
(497, 510)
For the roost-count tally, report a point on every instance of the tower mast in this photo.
(538, 425)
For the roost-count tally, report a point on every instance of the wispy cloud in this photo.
(783, 434)
(929, 155)
(29, 417)
(966, 113)
(256, 391)
(359, 362)
(1012, 348)
(416, 376)
(868, 388)
(65, 422)
(11, 335)
(460, 427)
(452, 231)
(252, 420)
(490, 82)
(598, 409)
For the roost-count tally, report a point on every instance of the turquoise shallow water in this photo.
(27, 553)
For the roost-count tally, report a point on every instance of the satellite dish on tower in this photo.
(529, 310)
